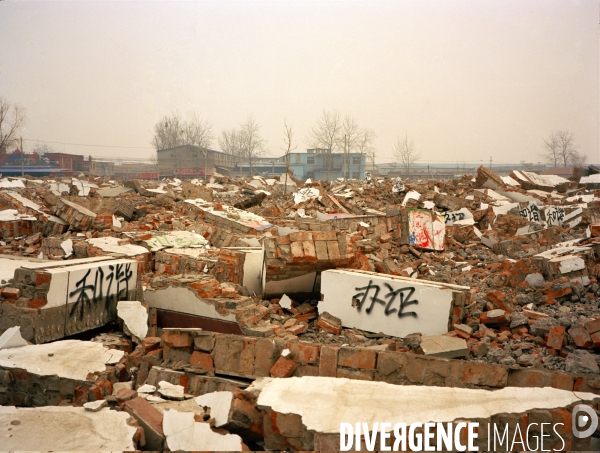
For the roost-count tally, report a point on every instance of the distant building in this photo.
(99, 168)
(263, 166)
(135, 171)
(73, 162)
(190, 161)
(320, 164)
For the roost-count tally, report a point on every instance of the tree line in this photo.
(331, 132)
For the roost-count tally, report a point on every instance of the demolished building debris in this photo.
(167, 299)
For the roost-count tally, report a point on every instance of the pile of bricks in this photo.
(78, 217)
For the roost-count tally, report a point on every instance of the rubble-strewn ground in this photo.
(245, 258)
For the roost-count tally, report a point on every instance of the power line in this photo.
(85, 144)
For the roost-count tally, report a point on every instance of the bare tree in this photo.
(168, 132)
(365, 145)
(252, 145)
(404, 151)
(42, 148)
(560, 149)
(172, 131)
(325, 134)
(229, 141)
(288, 135)
(198, 132)
(12, 118)
(578, 159)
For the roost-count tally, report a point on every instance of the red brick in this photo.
(38, 302)
(177, 340)
(146, 414)
(321, 250)
(264, 358)
(324, 236)
(328, 361)
(297, 252)
(284, 367)
(529, 378)
(333, 250)
(357, 358)
(593, 326)
(202, 360)
(150, 344)
(556, 338)
(596, 339)
(307, 353)
(484, 374)
(485, 320)
(329, 327)
(581, 337)
(125, 394)
(297, 329)
(562, 381)
(42, 278)
(301, 236)
(310, 255)
(11, 293)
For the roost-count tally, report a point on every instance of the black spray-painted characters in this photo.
(88, 292)
(451, 217)
(402, 294)
(531, 213)
(555, 215)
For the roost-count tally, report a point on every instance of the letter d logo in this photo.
(580, 420)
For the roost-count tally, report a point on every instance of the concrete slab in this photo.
(113, 245)
(72, 359)
(444, 346)
(183, 433)
(12, 338)
(220, 405)
(393, 305)
(336, 400)
(65, 429)
(135, 317)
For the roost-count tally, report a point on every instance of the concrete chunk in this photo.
(444, 346)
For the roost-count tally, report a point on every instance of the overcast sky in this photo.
(465, 80)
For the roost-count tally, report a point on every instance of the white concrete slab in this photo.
(336, 400)
(72, 359)
(90, 281)
(111, 245)
(176, 239)
(219, 403)
(11, 338)
(384, 303)
(61, 428)
(183, 433)
(444, 346)
(135, 317)
(183, 300)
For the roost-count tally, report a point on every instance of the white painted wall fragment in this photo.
(183, 433)
(72, 359)
(372, 402)
(62, 428)
(135, 317)
(12, 338)
(383, 303)
(220, 405)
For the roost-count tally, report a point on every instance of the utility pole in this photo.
(490, 163)
(22, 159)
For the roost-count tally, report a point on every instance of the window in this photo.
(298, 159)
(355, 175)
(356, 160)
(310, 160)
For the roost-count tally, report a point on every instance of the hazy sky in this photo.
(465, 80)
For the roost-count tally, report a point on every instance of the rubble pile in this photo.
(199, 287)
